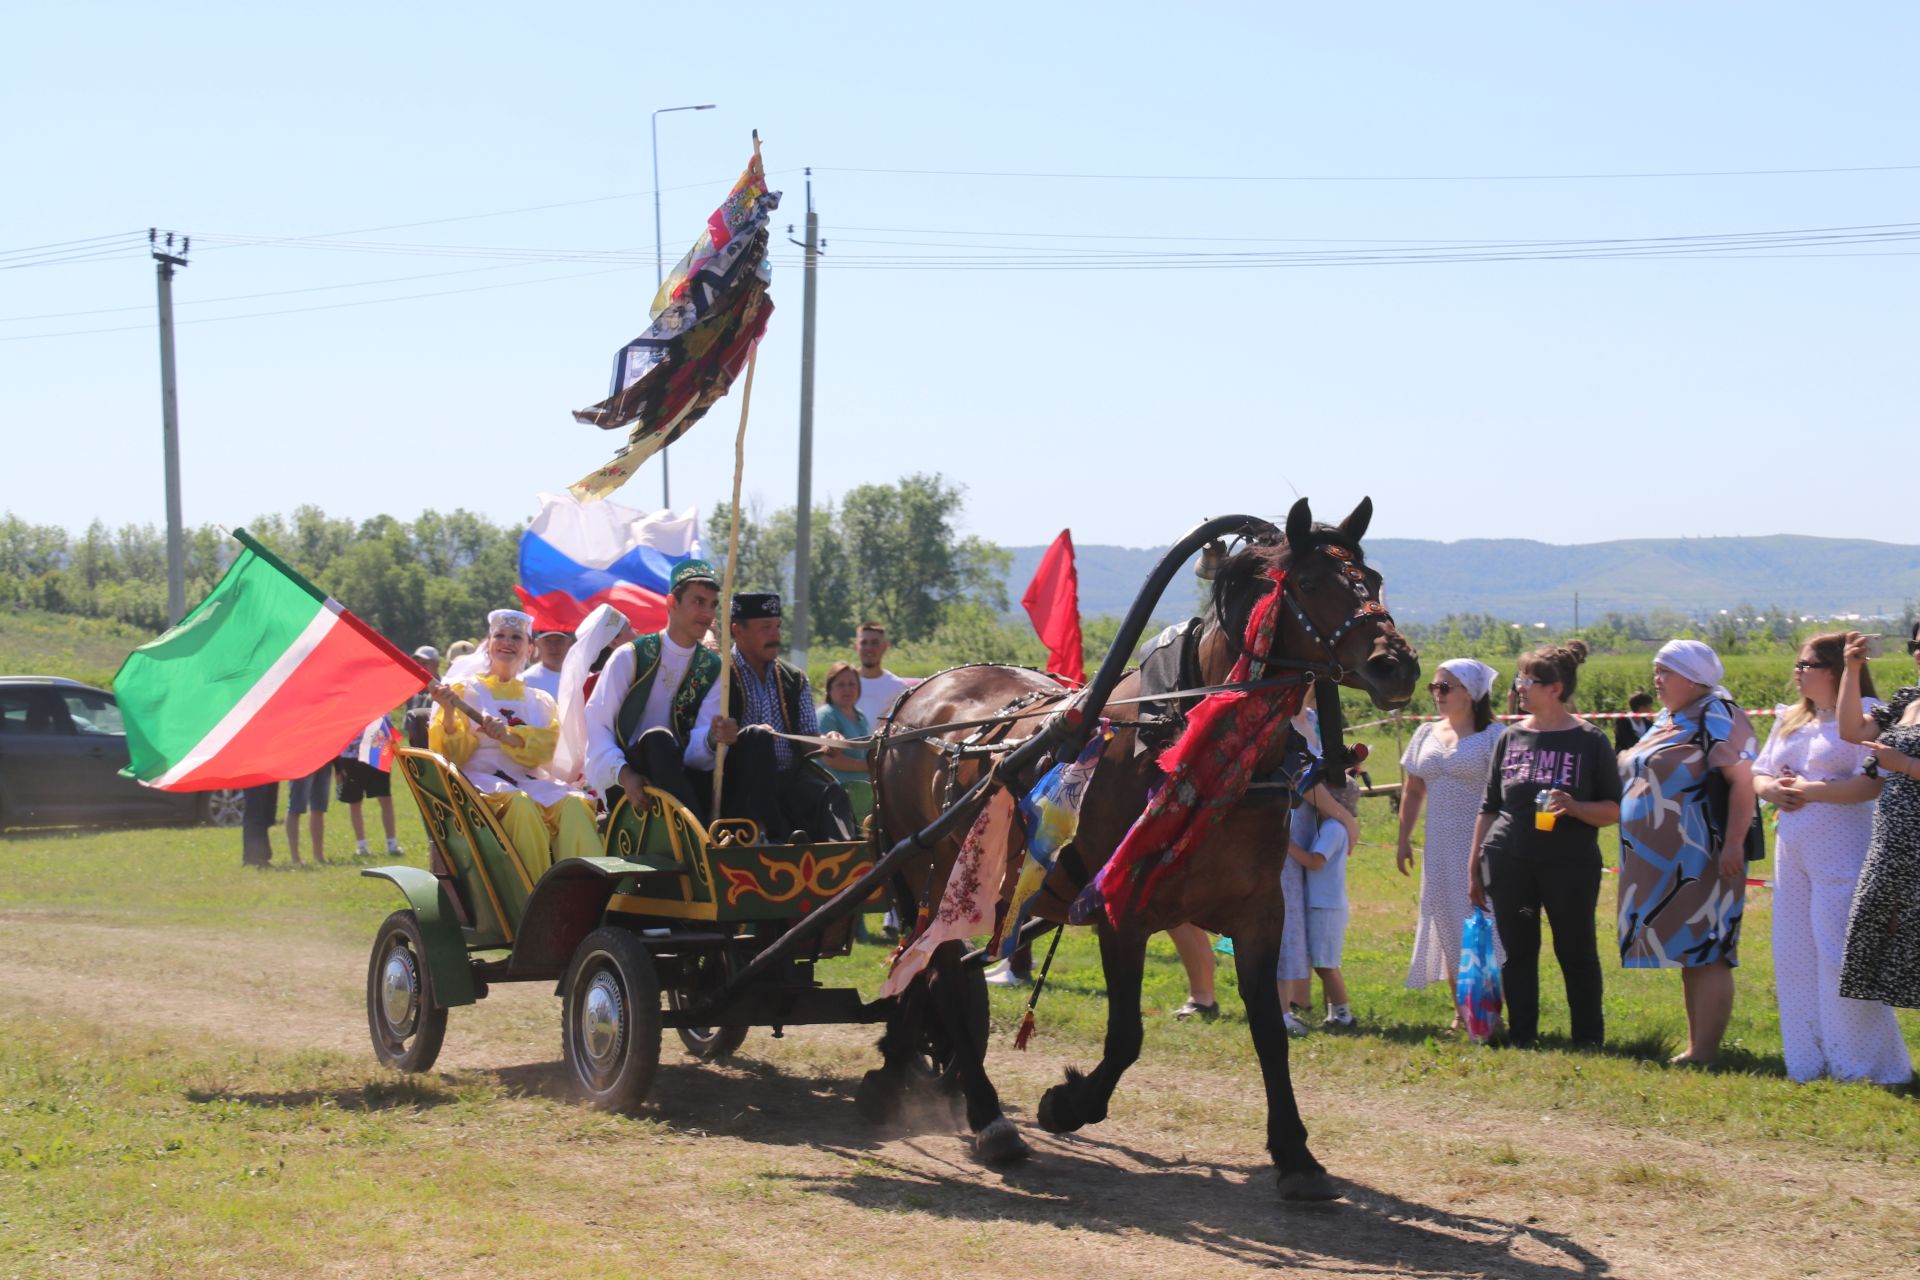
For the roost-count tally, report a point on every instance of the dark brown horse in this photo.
(1330, 620)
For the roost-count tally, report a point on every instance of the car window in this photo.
(32, 710)
(93, 712)
(14, 705)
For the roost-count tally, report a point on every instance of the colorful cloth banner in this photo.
(576, 556)
(706, 320)
(261, 682)
(1208, 769)
(973, 890)
(1053, 602)
(1050, 816)
(377, 745)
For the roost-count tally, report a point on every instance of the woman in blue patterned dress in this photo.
(1682, 892)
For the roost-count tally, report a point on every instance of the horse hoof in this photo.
(878, 1098)
(1308, 1185)
(1000, 1143)
(1056, 1111)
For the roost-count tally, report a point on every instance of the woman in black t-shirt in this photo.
(1552, 785)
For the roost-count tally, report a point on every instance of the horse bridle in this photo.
(1368, 609)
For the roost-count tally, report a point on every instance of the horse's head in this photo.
(1332, 614)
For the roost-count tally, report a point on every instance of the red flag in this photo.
(1053, 602)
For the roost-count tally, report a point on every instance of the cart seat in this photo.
(472, 855)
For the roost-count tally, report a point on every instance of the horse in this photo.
(1328, 618)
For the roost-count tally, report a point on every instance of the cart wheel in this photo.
(407, 1026)
(709, 1044)
(937, 1060)
(611, 1022)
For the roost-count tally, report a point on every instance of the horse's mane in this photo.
(1240, 581)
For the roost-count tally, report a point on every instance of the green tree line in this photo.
(891, 552)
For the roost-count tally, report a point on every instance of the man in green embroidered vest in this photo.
(655, 713)
(767, 777)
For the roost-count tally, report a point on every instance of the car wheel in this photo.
(709, 1044)
(610, 1024)
(407, 1026)
(222, 808)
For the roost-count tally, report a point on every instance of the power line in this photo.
(1290, 177)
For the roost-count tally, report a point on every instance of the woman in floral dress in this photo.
(1883, 932)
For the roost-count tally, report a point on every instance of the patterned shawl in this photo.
(1208, 769)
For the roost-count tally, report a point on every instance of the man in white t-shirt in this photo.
(655, 711)
(878, 686)
(551, 649)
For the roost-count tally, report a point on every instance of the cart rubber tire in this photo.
(406, 1025)
(610, 1024)
(708, 1044)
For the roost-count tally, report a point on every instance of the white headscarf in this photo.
(592, 635)
(480, 661)
(1474, 674)
(1695, 661)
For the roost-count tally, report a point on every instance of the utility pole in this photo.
(165, 262)
(659, 262)
(1576, 613)
(803, 507)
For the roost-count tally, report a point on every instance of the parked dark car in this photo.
(62, 746)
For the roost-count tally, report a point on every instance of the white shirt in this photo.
(540, 676)
(605, 752)
(878, 692)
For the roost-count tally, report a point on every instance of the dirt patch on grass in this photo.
(765, 1158)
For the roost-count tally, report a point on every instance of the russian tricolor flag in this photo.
(578, 555)
(378, 742)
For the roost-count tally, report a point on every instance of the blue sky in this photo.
(1564, 400)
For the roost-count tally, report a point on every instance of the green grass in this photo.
(36, 643)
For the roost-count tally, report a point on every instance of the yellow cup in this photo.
(1543, 819)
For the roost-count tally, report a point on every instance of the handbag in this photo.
(1476, 993)
(1719, 794)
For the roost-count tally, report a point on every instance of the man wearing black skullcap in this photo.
(766, 779)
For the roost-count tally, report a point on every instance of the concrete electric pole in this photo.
(803, 505)
(164, 263)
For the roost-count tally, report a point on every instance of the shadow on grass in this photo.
(1080, 1182)
(1111, 1190)
(402, 1093)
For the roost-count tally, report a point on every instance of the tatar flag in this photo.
(261, 682)
(378, 742)
(577, 556)
(706, 320)
(1053, 602)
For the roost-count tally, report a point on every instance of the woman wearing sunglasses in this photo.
(1825, 798)
(1683, 871)
(1444, 771)
(1551, 786)
(1883, 931)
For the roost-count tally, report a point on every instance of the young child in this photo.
(1321, 836)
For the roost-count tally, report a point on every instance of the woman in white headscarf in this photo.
(505, 755)
(1683, 872)
(1444, 771)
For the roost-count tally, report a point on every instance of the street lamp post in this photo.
(659, 263)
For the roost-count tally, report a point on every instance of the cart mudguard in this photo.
(446, 946)
(566, 906)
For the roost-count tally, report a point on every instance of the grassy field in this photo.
(35, 643)
(185, 1088)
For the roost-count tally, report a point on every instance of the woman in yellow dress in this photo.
(505, 754)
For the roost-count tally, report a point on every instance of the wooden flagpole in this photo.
(733, 555)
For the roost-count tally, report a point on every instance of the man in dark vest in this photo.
(654, 716)
(767, 777)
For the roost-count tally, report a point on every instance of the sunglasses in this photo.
(1440, 688)
(1522, 682)
(1804, 665)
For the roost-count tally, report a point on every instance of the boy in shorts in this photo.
(359, 780)
(1319, 844)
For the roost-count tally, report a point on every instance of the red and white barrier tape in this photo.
(1612, 871)
(1585, 715)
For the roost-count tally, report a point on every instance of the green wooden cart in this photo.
(648, 935)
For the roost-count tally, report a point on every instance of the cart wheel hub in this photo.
(603, 1022)
(400, 991)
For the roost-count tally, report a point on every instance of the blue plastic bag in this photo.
(1477, 992)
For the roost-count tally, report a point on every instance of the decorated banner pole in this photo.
(733, 555)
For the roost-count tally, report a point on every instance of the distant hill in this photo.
(1536, 581)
